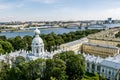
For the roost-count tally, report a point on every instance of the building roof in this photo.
(37, 40)
(104, 46)
(82, 40)
(112, 62)
(92, 58)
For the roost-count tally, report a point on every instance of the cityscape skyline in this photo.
(50, 10)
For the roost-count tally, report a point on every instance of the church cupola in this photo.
(37, 44)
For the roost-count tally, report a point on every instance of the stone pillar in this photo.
(105, 71)
(101, 70)
(95, 67)
(90, 67)
(118, 77)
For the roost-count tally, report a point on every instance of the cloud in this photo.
(45, 1)
(8, 6)
(3, 6)
(114, 11)
(19, 5)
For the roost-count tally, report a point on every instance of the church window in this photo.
(41, 49)
(93, 66)
(37, 50)
(102, 70)
(109, 72)
(98, 68)
(36, 43)
(87, 64)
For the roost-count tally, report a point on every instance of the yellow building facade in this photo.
(74, 45)
(100, 50)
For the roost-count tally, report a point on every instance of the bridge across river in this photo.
(88, 25)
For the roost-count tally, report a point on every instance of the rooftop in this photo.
(76, 42)
(108, 35)
(104, 46)
(112, 62)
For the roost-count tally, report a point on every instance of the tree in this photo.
(4, 71)
(14, 74)
(3, 38)
(50, 42)
(19, 43)
(27, 40)
(12, 41)
(118, 45)
(75, 67)
(55, 68)
(59, 40)
(6, 46)
(19, 60)
(117, 35)
(1, 49)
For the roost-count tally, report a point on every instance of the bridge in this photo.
(74, 24)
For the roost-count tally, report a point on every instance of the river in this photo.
(55, 30)
(43, 31)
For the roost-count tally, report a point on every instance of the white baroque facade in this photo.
(109, 67)
(37, 45)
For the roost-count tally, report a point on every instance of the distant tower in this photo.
(109, 20)
(37, 45)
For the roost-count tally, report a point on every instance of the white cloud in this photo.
(10, 6)
(20, 5)
(45, 1)
(3, 6)
(114, 11)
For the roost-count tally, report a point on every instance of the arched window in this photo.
(37, 50)
(88, 64)
(41, 49)
(109, 72)
(36, 43)
(102, 70)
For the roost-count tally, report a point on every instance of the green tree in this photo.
(1, 49)
(55, 68)
(75, 67)
(19, 60)
(117, 35)
(6, 46)
(19, 43)
(27, 40)
(118, 45)
(59, 40)
(4, 70)
(3, 38)
(14, 74)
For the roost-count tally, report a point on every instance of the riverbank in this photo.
(43, 31)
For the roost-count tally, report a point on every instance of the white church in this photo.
(37, 50)
(109, 67)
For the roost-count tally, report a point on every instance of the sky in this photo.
(57, 10)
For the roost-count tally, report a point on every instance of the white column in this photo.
(95, 67)
(118, 77)
(86, 66)
(43, 49)
(35, 51)
(90, 68)
(112, 73)
(101, 70)
(105, 71)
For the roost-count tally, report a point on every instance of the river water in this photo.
(42, 31)
(55, 30)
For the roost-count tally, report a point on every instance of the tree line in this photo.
(51, 41)
(117, 35)
(63, 66)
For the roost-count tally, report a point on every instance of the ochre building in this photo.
(100, 50)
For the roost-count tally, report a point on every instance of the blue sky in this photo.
(44, 10)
